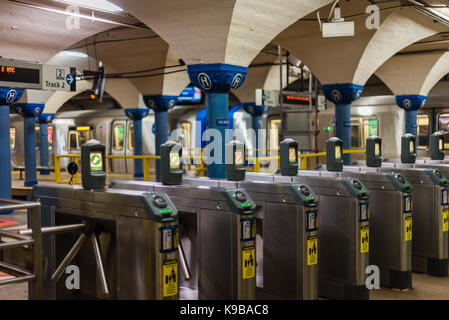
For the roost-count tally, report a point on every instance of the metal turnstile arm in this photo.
(99, 261)
(69, 257)
(184, 265)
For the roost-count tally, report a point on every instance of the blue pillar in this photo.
(44, 120)
(217, 80)
(342, 95)
(136, 115)
(29, 111)
(7, 96)
(160, 104)
(411, 104)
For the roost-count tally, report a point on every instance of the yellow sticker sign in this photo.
(408, 228)
(445, 220)
(312, 251)
(248, 262)
(364, 239)
(170, 278)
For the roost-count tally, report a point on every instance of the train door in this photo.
(118, 146)
(130, 147)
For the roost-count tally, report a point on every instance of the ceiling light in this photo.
(102, 5)
(75, 54)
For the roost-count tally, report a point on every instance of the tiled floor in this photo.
(424, 288)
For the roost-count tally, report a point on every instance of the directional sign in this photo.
(30, 75)
(58, 78)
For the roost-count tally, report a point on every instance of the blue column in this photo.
(217, 80)
(411, 104)
(160, 104)
(137, 115)
(30, 112)
(342, 95)
(44, 120)
(7, 96)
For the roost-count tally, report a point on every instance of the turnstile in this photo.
(344, 234)
(218, 235)
(430, 217)
(390, 223)
(287, 236)
(133, 252)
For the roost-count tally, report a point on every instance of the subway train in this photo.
(372, 115)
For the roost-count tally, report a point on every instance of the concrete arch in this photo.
(149, 52)
(414, 73)
(36, 35)
(219, 31)
(398, 31)
(118, 90)
(355, 59)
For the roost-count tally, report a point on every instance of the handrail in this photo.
(145, 160)
(34, 212)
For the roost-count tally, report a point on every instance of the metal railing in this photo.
(195, 162)
(22, 241)
(145, 161)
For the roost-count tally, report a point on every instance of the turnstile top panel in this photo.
(204, 197)
(107, 202)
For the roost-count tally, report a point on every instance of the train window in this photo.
(118, 138)
(423, 131)
(38, 140)
(77, 137)
(12, 136)
(73, 140)
(50, 130)
(362, 128)
(443, 127)
(274, 127)
(130, 137)
(186, 128)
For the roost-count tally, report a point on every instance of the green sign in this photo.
(96, 161)
(372, 127)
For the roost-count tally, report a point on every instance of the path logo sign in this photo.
(96, 161)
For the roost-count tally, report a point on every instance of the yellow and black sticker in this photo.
(408, 228)
(170, 278)
(364, 239)
(445, 220)
(248, 262)
(312, 251)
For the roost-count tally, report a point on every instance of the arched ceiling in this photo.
(355, 59)
(129, 50)
(414, 73)
(32, 34)
(219, 31)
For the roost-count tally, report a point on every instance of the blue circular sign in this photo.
(11, 96)
(70, 79)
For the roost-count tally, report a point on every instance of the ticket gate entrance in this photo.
(218, 238)
(430, 243)
(344, 234)
(132, 252)
(390, 222)
(287, 236)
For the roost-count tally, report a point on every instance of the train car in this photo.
(69, 130)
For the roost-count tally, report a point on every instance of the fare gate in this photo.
(287, 236)
(218, 237)
(127, 231)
